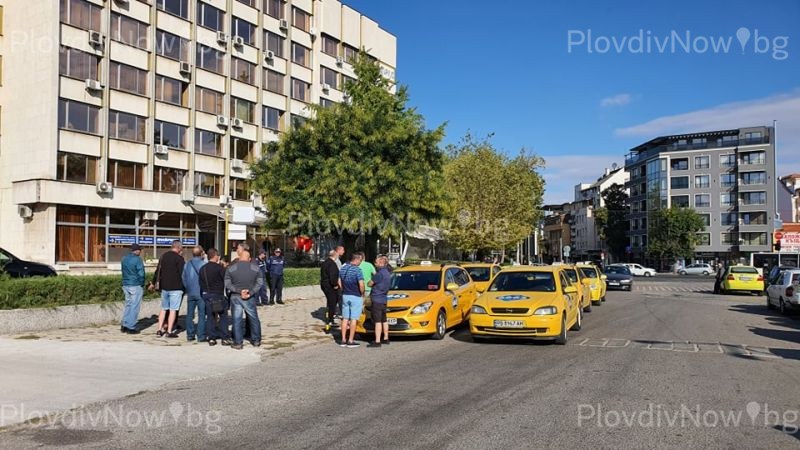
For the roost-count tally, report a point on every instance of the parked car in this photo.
(582, 282)
(481, 274)
(697, 269)
(618, 277)
(784, 292)
(19, 268)
(597, 282)
(639, 270)
(743, 278)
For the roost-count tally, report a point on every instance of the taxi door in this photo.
(572, 299)
(458, 301)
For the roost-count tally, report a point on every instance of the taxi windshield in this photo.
(479, 273)
(572, 275)
(524, 281)
(588, 272)
(416, 281)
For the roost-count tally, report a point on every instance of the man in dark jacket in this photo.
(329, 283)
(212, 284)
(262, 299)
(168, 278)
(194, 298)
(275, 271)
(133, 287)
(243, 280)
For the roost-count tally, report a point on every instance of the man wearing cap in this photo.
(133, 287)
(275, 270)
(262, 298)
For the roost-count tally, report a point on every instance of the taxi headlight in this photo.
(625, 281)
(477, 309)
(546, 311)
(592, 286)
(422, 309)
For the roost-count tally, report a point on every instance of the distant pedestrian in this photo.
(212, 284)
(368, 270)
(243, 280)
(718, 280)
(351, 283)
(275, 265)
(329, 283)
(262, 299)
(168, 280)
(133, 287)
(381, 283)
(194, 296)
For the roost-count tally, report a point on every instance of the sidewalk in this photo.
(55, 370)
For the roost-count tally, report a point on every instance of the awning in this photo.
(211, 210)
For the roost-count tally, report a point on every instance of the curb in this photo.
(16, 321)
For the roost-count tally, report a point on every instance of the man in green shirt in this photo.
(368, 270)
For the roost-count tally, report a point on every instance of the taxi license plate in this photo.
(391, 320)
(745, 278)
(509, 324)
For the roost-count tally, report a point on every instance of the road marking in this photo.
(682, 347)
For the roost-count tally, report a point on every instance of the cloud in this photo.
(562, 173)
(616, 100)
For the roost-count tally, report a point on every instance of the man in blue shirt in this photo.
(275, 270)
(194, 297)
(381, 282)
(263, 298)
(133, 287)
(351, 283)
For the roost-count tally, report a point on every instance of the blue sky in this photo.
(525, 71)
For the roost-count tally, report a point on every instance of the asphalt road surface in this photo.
(650, 369)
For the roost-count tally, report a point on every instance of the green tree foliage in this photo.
(362, 167)
(496, 199)
(672, 232)
(611, 221)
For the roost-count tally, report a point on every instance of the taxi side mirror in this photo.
(570, 290)
(451, 287)
(603, 277)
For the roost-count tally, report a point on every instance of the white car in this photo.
(640, 271)
(785, 291)
(697, 269)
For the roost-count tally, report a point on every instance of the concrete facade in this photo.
(588, 198)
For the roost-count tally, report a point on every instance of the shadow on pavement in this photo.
(461, 333)
(793, 431)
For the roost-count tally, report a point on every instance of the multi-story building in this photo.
(727, 176)
(133, 120)
(588, 198)
(792, 183)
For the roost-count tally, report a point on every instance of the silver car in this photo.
(785, 291)
(697, 269)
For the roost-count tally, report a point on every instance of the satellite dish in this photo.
(614, 166)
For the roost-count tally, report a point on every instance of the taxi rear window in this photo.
(743, 270)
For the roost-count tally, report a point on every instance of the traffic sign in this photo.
(566, 250)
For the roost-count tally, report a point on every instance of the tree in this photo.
(672, 232)
(611, 219)
(364, 167)
(496, 199)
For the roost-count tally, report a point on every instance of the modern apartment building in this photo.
(727, 176)
(586, 243)
(792, 183)
(134, 120)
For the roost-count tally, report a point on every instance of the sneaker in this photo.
(343, 344)
(280, 302)
(122, 329)
(189, 338)
(256, 344)
(172, 334)
(385, 342)
(374, 345)
(131, 331)
(353, 345)
(237, 346)
(226, 342)
(212, 342)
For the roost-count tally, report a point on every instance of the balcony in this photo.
(634, 157)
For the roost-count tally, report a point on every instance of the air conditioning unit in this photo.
(238, 41)
(258, 202)
(339, 61)
(187, 195)
(159, 149)
(284, 24)
(24, 211)
(326, 87)
(151, 216)
(93, 85)
(237, 165)
(222, 121)
(96, 39)
(104, 188)
(236, 122)
(185, 68)
(224, 200)
(269, 55)
(222, 38)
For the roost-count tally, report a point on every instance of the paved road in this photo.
(648, 370)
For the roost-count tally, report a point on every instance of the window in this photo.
(207, 142)
(274, 8)
(81, 14)
(243, 109)
(170, 134)
(727, 180)
(680, 201)
(166, 179)
(754, 218)
(207, 185)
(701, 181)
(728, 218)
(330, 46)
(301, 19)
(128, 31)
(210, 17)
(300, 90)
(702, 200)
(77, 116)
(127, 127)
(208, 101)
(346, 80)
(349, 52)
(727, 199)
(210, 59)
(78, 168)
(298, 121)
(701, 162)
(329, 77)
(706, 219)
(729, 239)
(171, 46)
(274, 81)
(275, 43)
(751, 158)
(679, 164)
(126, 174)
(240, 189)
(326, 103)
(703, 238)
(172, 91)
(242, 149)
(752, 138)
(729, 141)
(178, 8)
(749, 178)
(127, 78)
(243, 29)
(243, 71)
(272, 118)
(77, 64)
(301, 55)
(754, 198)
(727, 160)
(679, 183)
(251, 3)
(753, 238)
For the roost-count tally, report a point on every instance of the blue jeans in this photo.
(240, 307)
(193, 303)
(133, 301)
(217, 324)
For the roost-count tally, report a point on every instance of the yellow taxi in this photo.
(527, 302)
(584, 291)
(481, 274)
(597, 283)
(425, 299)
(742, 278)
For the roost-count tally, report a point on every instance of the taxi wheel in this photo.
(562, 338)
(769, 304)
(588, 307)
(603, 299)
(578, 322)
(441, 326)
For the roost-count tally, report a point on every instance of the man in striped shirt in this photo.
(351, 284)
